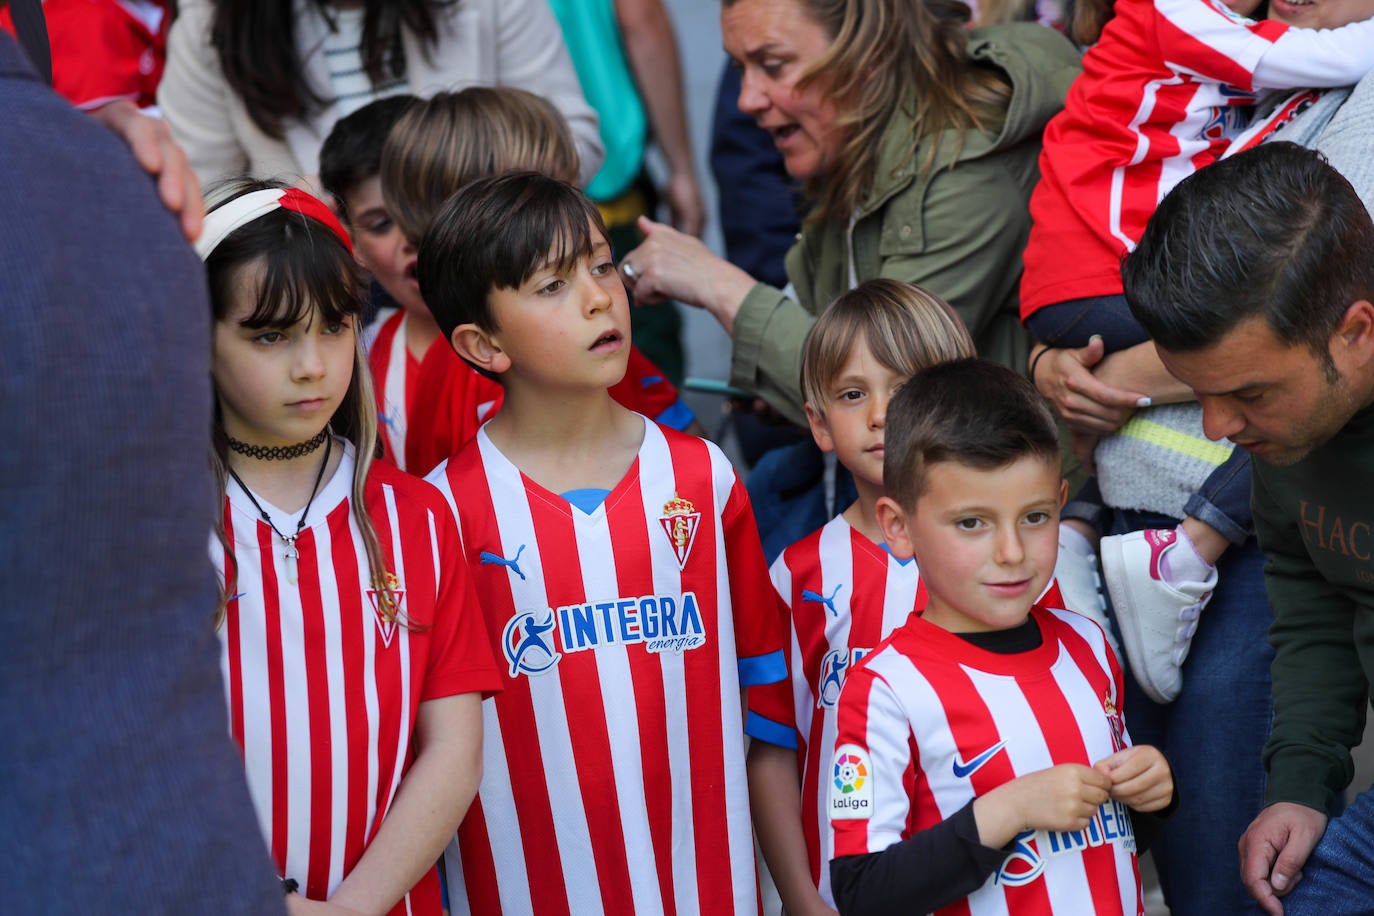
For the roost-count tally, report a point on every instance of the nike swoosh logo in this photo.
(963, 770)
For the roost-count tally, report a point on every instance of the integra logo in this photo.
(535, 640)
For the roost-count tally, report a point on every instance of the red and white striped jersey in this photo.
(437, 398)
(930, 721)
(323, 685)
(613, 763)
(842, 595)
(1160, 96)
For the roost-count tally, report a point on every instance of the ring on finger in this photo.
(628, 270)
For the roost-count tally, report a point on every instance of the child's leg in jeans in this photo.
(1161, 590)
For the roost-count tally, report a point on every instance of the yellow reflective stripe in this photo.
(1213, 453)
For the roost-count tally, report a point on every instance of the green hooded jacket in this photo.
(957, 229)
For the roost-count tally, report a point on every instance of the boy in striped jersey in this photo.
(620, 571)
(981, 761)
(842, 591)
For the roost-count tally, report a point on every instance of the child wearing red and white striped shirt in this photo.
(981, 762)
(624, 586)
(354, 655)
(842, 591)
(1166, 88)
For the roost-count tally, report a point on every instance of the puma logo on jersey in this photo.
(963, 770)
(487, 558)
(818, 598)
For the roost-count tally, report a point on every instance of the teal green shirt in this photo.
(593, 38)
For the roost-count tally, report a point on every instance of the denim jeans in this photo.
(1212, 735)
(1223, 500)
(1338, 877)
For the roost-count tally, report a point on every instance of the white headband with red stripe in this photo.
(243, 210)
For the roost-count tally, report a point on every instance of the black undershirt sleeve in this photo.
(931, 869)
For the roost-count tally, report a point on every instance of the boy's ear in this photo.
(479, 348)
(1063, 493)
(892, 521)
(820, 430)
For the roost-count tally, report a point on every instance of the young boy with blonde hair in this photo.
(981, 761)
(842, 591)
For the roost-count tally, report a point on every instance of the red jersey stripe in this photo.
(623, 632)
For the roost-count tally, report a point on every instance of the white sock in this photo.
(1182, 563)
(1071, 539)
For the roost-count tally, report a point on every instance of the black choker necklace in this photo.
(291, 552)
(278, 452)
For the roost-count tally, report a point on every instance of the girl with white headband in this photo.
(353, 653)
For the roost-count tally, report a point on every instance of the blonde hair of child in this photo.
(906, 329)
(444, 143)
(295, 250)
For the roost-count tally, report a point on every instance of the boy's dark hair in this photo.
(1273, 233)
(971, 411)
(352, 153)
(494, 234)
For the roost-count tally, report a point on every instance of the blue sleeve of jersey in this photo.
(765, 729)
(678, 415)
(762, 669)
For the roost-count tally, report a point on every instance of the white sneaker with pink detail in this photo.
(1157, 619)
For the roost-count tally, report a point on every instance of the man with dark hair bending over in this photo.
(1255, 278)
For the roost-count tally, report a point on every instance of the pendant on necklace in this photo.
(292, 555)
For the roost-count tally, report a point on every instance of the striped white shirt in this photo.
(613, 777)
(842, 594)
(351, 85)
(1162, 94)
(929, 721)
(323, 686)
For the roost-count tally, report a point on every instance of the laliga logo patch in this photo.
(386, 606)
(680, 520)
(851, 784)
(527, 641)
